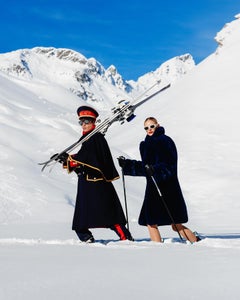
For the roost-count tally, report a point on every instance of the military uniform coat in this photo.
(97, 203)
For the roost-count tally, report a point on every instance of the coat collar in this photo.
(159, 131)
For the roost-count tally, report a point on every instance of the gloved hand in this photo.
(62, 158)
(149, 170)
(122, 161)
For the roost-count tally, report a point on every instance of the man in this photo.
(97, 203)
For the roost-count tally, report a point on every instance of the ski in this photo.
(124, 111)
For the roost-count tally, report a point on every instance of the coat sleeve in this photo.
(134, 168)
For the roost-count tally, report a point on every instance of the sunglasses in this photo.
(84, 121)
(151, 127)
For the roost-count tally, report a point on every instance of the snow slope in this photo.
(41, 256)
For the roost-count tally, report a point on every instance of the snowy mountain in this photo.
(39, 95)
(84, 77)
(170, 71)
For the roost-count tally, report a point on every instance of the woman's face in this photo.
(87, 124)
(150, 127)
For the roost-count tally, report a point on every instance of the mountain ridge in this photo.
(86, 78)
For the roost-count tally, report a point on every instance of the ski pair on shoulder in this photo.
(124, 111)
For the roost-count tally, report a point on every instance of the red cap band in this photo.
(87, 113)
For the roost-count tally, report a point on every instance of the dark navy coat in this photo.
(160, 151)
(97, 203)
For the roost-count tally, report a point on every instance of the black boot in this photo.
(85, 235)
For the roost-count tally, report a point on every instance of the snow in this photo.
(41, 258)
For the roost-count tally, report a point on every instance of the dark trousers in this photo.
(122, 232)
(85, 235)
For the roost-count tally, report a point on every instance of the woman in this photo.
(159, 155)
(97, 203)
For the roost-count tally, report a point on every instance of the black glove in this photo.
(122, 161)
(61, 158)
(149, 170)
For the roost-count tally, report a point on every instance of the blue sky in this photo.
(134, 35)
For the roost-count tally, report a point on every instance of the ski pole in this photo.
(125, 198)
(124, 192)
(164, 203)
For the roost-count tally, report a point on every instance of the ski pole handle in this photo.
(121, 161)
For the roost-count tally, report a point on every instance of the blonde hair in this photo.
(151, 119)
